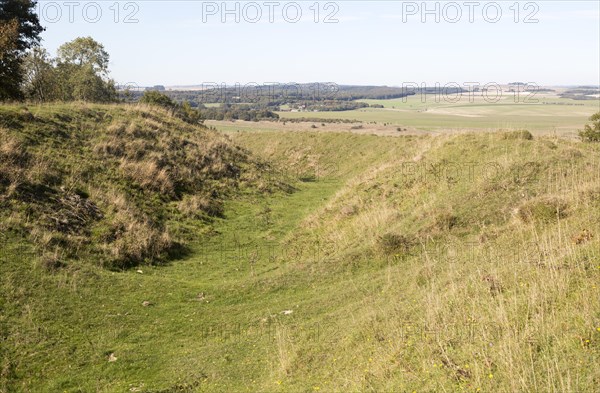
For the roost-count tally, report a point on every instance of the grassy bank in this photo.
(448, 263)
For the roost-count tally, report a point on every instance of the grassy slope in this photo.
(404, 270)
(493, 284)
(114, 185)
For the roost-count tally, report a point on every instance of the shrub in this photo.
(154, 97)
(591, 133)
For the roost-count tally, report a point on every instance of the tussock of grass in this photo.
(394, 244)
(520, 134)
(543, 211)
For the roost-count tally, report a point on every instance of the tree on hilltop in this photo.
(19, 31)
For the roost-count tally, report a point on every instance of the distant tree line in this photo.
(585, 93)
(350, 93)
(237, 112)
(318, 120)
(328, 106)
(234, 108)
(311, 96)
(195, 115)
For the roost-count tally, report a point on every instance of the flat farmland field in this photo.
(542, 113)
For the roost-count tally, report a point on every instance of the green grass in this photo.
(492, 287)
(87, 314)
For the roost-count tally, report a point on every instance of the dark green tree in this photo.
(9, 60)
(19, 31)
(190, 114)
(29, 24)
(154, 97)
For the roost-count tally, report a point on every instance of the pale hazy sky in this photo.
(369, 42)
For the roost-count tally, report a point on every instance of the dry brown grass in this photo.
(499, 292)
(148, 175)
(13, 161)
(195, 205)
(130, 242)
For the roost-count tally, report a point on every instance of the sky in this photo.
(176, 43)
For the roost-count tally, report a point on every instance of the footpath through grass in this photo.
(209, 321)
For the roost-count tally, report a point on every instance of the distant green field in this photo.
(548, 114)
